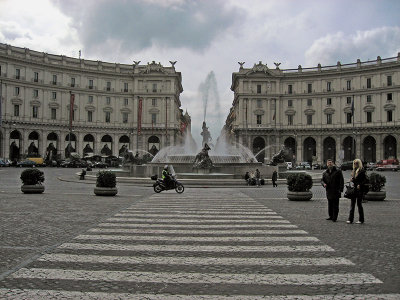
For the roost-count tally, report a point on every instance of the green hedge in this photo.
(376, 182)
(299, 182)
(106, 179)
(32, 176)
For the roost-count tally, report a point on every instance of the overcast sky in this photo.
(206, 36)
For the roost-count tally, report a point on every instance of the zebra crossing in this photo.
(210, 245)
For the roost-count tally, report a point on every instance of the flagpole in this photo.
(71, 112)
(354, 132)
(1, 97)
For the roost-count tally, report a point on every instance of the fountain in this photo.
(220, 161)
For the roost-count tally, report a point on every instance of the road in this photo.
(207, 243)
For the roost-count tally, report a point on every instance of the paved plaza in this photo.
(207, 243)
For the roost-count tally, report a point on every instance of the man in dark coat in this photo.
(274, 178)
(333, 182)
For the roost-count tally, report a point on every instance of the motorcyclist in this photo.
(166, 176)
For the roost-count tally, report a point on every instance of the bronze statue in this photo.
(202, 160)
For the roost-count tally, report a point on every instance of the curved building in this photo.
(52, 105)
(340, 112)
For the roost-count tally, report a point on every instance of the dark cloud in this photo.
(137, 25)
(364, 45)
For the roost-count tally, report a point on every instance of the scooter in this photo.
(159, 185)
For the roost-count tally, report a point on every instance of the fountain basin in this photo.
(186, 170)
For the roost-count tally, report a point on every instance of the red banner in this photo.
(183, 127)
(71, 110)
(139, 127)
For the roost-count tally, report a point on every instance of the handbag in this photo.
(350, 192)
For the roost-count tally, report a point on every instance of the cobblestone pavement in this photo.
(212, 243)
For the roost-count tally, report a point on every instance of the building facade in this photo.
(340, 112)
(52, 105)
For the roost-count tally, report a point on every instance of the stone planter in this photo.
(375, 196)
(105, 191)
(299, 196)
(32, 188)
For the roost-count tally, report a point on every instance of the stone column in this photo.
(339, 157)
(379, 147)
(299, 152)
(6, 143)
(397, 137)
(358, 146)
(319, 149)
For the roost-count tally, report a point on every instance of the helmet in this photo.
(166, 167)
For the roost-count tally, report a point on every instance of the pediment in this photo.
(369, 108)
(153, 67)
(329, 111)
(154, 110)
(35, 103)
(90, 108)
(259, 112)
(54, 105)
(290, 112)
(309, 111)
(16, 101)
(108, 109)
(389, 106)
(259, 68)
(347, 109)
(125, 110)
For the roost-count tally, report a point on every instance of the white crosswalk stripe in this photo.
(176, 260)
(198, 278)
(198, 238)
(195, 248)
(121, 229)
(34, 294)
(215, 239)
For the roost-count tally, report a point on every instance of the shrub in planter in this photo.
(32, 176)
(106, 184)
(376, 182)
(299, 185)
(32, 179)
(106, 179)
(299, 182)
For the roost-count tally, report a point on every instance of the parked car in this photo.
(71, 164)
(289, 165)
(346, 165)
(5, 162)
(100, 164)
(304, 165)
(317, 166)
(26, 163)
(370, 166)
(388, 164)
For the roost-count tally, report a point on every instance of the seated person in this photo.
(166, 176)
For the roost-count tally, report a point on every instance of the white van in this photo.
(289, 165)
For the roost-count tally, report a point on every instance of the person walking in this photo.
(359, 179)
(274, 178)
(333, 182)
(247, 178)
(258, 177)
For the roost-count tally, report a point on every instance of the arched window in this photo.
(259, 148)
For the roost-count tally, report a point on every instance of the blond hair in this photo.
(358, 168)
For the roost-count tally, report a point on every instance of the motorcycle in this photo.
(159, 185)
